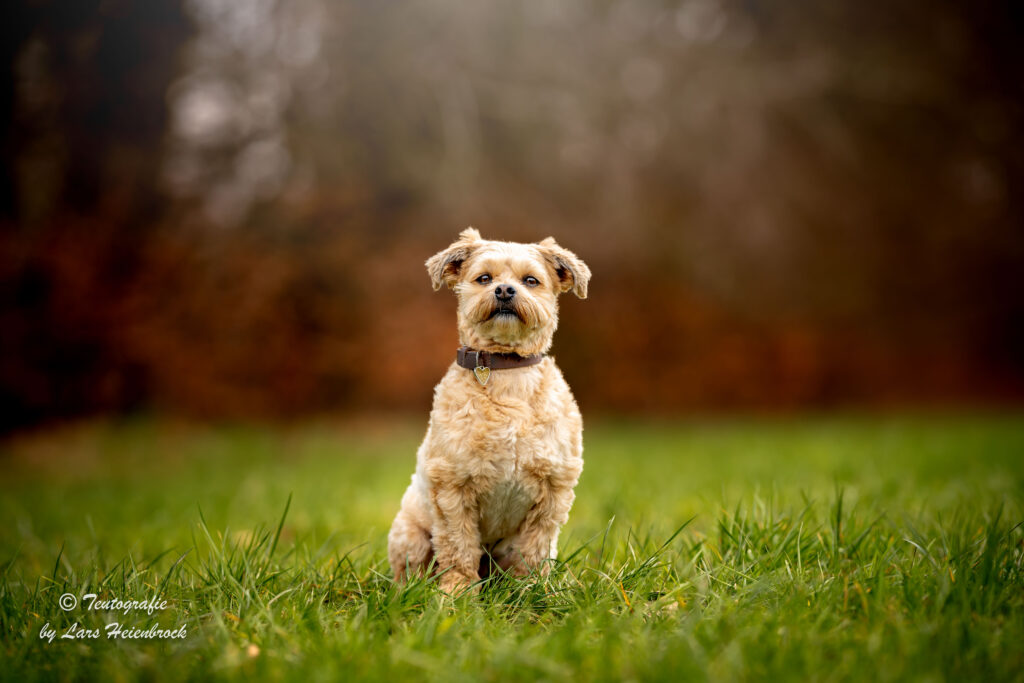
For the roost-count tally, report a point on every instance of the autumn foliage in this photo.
(223, 214)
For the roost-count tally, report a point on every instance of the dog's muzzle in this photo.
(504, 296)
(504, 309)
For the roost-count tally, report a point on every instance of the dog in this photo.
(496, 472)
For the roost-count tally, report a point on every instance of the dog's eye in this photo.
(484, 279)
(530, 281)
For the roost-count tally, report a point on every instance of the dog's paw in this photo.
(454, 583)
(520, 567)
(522, 570)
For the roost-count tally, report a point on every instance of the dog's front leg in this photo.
(538, 534)
(456, 537)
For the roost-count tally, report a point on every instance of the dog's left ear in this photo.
(573, 274)
(444, 266)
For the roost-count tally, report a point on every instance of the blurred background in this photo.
(220, 209)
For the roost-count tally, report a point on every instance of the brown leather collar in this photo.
(471, 359)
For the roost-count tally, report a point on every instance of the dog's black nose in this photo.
(504, 292)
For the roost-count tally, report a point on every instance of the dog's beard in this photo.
(506, 322)
(503, 325)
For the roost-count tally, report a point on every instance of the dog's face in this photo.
(508, 292)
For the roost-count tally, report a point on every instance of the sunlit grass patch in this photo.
(822, 549)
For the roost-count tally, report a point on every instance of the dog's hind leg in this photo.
(409, 546)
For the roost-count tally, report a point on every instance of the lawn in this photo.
(822, 548)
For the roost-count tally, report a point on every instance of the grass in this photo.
(818, 549)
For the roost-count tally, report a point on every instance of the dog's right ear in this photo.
(444, 266)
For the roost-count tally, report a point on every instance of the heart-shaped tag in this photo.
(482, 374)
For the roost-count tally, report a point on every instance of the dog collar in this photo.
(482, 362)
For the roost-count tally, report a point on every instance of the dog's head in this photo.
(508, 292)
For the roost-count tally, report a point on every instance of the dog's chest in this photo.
(503, 508)
(512, 482)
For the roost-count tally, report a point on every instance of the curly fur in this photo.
(496, 471)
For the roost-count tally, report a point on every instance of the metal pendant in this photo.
(482, 374)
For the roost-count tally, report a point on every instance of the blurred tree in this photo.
(84, 111)
(222, 207)
(83, 118)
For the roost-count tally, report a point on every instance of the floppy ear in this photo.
(573, 274)
(444, 266)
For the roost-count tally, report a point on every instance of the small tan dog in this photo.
(495, 473)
